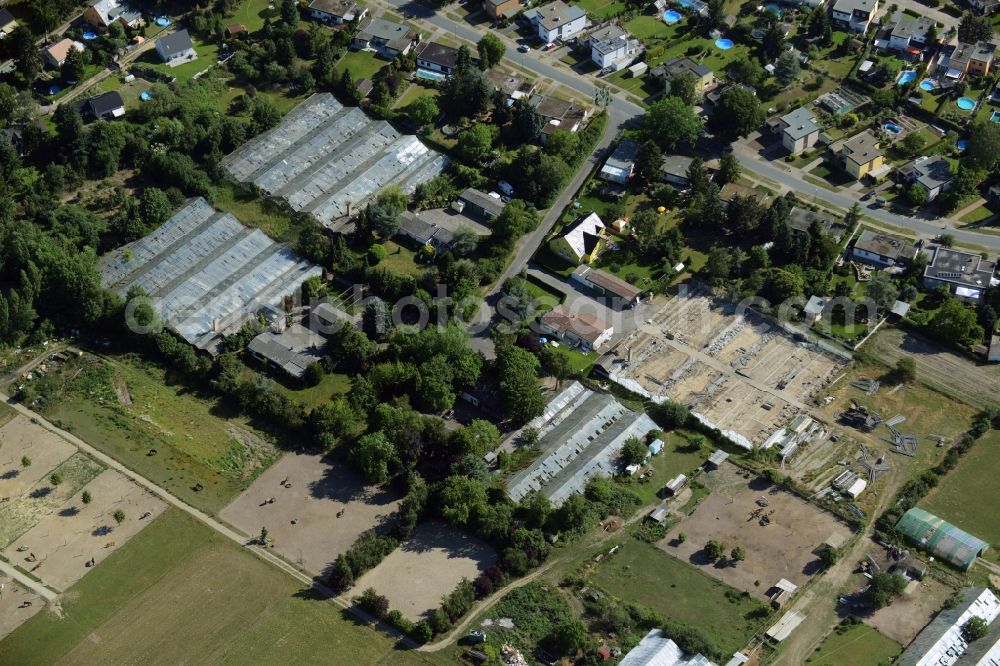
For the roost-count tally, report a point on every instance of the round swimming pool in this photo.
(962, 144)
(145, 95)
(773, 8)
(966, 103)
(89, 35)
(892, 128)
(671, 16)
(724, 44)
(162, 21)
(928, 85)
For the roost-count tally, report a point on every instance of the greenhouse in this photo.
(941, 538)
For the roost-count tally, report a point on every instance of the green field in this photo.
(180, 593)
(208, 55)
(601, 9)
(643, 574)
(361, 64)
(857, 644)
(677, 457)
(197, 443)
(975, 476)
(253, 211)
(312, 396)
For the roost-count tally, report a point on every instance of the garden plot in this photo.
(428, 566)
(20, 438)
(785, 547)
(329, 503)
(13, 609)
(58, 548)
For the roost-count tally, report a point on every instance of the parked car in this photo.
(523, 48)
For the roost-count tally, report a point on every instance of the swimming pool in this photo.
(994, 117)
(908, 76)
(145, 95)
(693, 5)
(928, 85)
(162, 21)
(966, 103)
(773, 8)
(671, 16)
(961, 144)
(88, 36)
(54, 90)
(723, 44)
(430, 75)
(892, 128)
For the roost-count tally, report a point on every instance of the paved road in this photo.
(26, 582)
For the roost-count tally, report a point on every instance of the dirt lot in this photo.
(738, 370)
(427, 567)
(20, 437)
(903, 619)
(319, 491)
(12, 615)
(954, 375)
(783, 549)
(65, 540)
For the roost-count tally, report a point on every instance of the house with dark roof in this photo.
(801, 219)
(619, 167)
(621, 292)
(437, 58)
(967, 275)
(480, 203)
(674, 169)
(881, 250)
(292, 350)
(385, 37)
(559, 113)
(336, 12)
(104, 107)
(931, 173)
(423, 232)
(176, 48)
(7, 21)
(704, 79)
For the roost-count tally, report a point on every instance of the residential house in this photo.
(606, 284)
(325, 317)
(674, 169)
(854, 15)
(582, 242)
(814, 309)
(104, 107)
(881, 250)
(619, 167)
(7, 22)
(909, 34)
(176, 48)
(612, 47)
(961, 60)
(437, 58)
(55, 55)
(423, 232)
(559, 114)
(932, 174)
(292, 350)
(514, 87)
(581, 330)
(860, 155)
(387, 38)
(966, 274)
(730, 191)
(799, 131)
(236, 30)
(102, 13)
(984, 7)
(801, 219)
(704, 79)
(557, 21)
(501, 9)
(477, 202)
(336, 12)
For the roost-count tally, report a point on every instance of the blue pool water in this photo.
(892, 128)
(962, 144)
(162, 21)
(773, 8)
(430, 75)
(54, 90)
(928, 85)
(995, 117)
(671, 16)
(724, 44)
(693, 5)
(907, 77)
(966, 103)
(145, 95)
(89, 35)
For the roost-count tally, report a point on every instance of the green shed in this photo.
(941, 538)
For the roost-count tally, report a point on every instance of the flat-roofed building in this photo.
(619, 167)
(336, 12)
(967, 275)
(618, 290)
(882, 250)
(799, 130)
(930, 173)
(481, 204)
(576, 329)
(385, 37)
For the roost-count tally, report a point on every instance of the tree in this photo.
(373, 602)
(491, 50)
(787, 68)
(746, 70)
(648, 161)
(916, 195)
(983, 150)
(25, 461)
(884, 587)
(906, 369)
(262, 538)
(290, 12)
(86, 498)
(376, 319)
(829, 556)
(476, 143)
(974, 29)
(634, 451)
(913, 144)
(73, 66)
(423, 110)
(56, 478)
(773, 42)
(719, 262)
(154, 207)
(518, 373)
(373, 454)
(975, 628)
(670, 122)
(669, 414)
(738, 113)
(683, 87)
(567, 637)
(461, 499)
(602, 95)
(881, 290)
(956, 323)
(729, 169)
(714, 550)
(738, 554)
(119, 516)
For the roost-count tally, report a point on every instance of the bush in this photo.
(376, 253)
(372, 602)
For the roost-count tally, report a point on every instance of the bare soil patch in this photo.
(13, 612)
(20, 437)
(903, 619)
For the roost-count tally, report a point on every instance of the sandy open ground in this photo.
(20, 437)
(431, 564)
(12, 615)
(319, 491)
(903, 619)
(782, 549)
(65, 540)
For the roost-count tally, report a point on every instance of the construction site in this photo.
(736, 369)
(329, 160)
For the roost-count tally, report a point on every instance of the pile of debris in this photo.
(869, 386)
(860, 417)
(903, 444)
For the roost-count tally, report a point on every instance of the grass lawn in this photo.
(643, 574)
(208, 55)
(677, 457)
(180, 593)
(361, 64)
(252, 13)
(832, 175)
(857, 644)
(976, 473)
(204, 454)
(579, 362)
(545, 298)
(978, 214)
(253, 211)
(415, 90)
(601, 9)
(648, 27)
(312, 396)
(400, 259)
